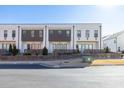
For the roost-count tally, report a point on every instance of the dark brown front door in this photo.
(28, 46)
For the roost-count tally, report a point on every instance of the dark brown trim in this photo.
(88, 41)
(7, 41)
(27, 36)
(55, 36)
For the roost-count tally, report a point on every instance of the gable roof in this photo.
(105, 37)
(114, 35)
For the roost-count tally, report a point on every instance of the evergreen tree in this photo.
(107, 50)
(10, 48)
(14, 50)
(45, 51)
(77, 48)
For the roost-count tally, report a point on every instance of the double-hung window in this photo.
(32, 33)
(87, 34)
(13, 34)
(5, 34)
(40, 33)
(79, 34)
(67, 33)
(96, 34)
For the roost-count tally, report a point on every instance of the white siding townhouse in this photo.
(53, 36)
(114, 42)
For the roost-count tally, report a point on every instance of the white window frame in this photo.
(40, 33)
(32, 33)
(87, 34)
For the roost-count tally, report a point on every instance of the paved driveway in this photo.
(94, 76)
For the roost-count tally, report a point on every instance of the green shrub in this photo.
(36, 53)
(45, 51)
(27, 54)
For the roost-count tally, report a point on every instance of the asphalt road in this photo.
(94, 76)
(22, 66)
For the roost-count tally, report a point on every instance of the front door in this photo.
(28, 46)
(82, 47)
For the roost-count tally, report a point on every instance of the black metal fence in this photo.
(108, 56)
(33, 51)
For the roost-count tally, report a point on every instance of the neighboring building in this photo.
(114, 42)
(53, 36)
(103, 38)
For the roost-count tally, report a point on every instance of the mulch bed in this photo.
(36, 58)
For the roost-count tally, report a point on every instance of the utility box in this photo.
(87, 58)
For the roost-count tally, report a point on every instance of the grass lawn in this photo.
(108, 62)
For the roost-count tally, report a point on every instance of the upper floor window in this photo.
(115, 41)
(5, 34)
(51, 31)
(24, 32)
(32, 33)
(59, 31)
(67, 33)
(40, 33)
(78, 33)
(13, 34)
(28, 46)
(96, 34)
(87, 34)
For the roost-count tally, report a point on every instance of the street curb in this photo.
(108, 65)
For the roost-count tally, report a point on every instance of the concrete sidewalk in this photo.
(70, 63)
(55, 64)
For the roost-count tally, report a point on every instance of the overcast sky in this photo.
(111, 17)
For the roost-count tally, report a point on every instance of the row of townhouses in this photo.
(53, 36)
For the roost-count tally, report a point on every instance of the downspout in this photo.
(100, 36)
(116, 44)
(45, 34)
(18, 35)
(73, 36)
